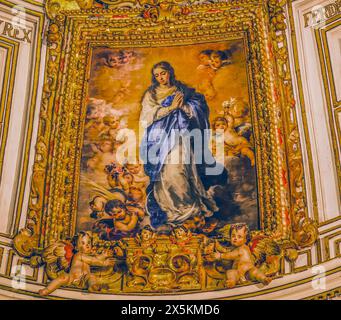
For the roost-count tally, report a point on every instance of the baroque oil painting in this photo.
(168, 189)
(168, 159)
(168, 141)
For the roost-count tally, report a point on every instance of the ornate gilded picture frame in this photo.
(247, 34)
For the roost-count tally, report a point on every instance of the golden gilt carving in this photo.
(157, 263)
(304, 230)
(53, 7)
(162, 263)
(170, 264)
(27, 240)
(84, 262)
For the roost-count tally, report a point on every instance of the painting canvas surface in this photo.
(121, 92)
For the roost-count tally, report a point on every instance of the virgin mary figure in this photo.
(172, 112)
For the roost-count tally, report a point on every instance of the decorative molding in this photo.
(304, 229)
(328, 295)
(323, 198)
(50, 218)
(11, 48)
(34, 24)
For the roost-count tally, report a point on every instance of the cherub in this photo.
(83, 258)
(240, 254)
(112, 59)
(112, 125)
(239, 110)
(136, 196)
(117, 177)
(104, 150)
(146, 238)
(97, 205)
(234, 144)
(205, 63)
(205, 75)
(129, 57)
(141, 180)
(220, 58)
(124, 220)
(94, 122)
(180, 235)
(133, 207)
(128, 178)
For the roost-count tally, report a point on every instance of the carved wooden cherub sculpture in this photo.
(180, 235)
(146, 238)
(80, 274)
(240, 254)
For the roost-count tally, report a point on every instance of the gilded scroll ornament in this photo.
(304, 230)
(25, 242)
(121, 239)
(151, 263)
(53, 7)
